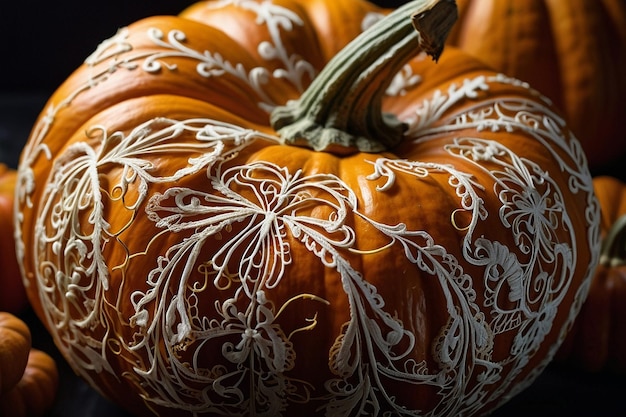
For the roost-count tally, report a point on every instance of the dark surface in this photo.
(41, 44)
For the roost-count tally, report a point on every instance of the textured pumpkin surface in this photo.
(573, 51)
(14, 347)
(35, 393)
(187, 262)
(12, 296)
(597, 340)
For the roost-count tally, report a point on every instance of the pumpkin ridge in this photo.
(186, 261)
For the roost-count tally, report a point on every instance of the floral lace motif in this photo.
(259, 211)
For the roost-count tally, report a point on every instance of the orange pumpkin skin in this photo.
(574, 52)
(35, 393)
(597, 341)
(14, 347)
(187, 262)
(13, 295)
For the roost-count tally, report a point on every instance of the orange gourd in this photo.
(597, 341)
(14, 347)
(284, 208)
(573, 51)
(12, 294)
(28, 377)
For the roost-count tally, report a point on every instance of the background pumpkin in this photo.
(598, 338)
(574, 52)
(180, 254)
(12, 296)
(28, 377)
(14, 347)
(35, 393)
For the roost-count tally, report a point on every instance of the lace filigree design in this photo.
(118, 53)
(72, 225)
(231, 239)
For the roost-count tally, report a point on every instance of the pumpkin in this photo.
(35, 393)
(28, 377)
(573, 51)
(285, 208)
(597, 341)
(14, 347)
(12, 296)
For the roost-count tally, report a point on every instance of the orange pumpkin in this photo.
(573, 51)
(597, 340)
(28, 377)
(12, 294)
(35, 393)
(262, 208)
(14, 347)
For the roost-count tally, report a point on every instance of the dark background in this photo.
(42, 42)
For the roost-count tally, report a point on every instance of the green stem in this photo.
(613, 251)
(341, 111)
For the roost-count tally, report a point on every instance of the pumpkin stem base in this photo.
(341, 111)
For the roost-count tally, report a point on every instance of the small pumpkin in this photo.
(35, 393)
(284, 208)
(15, 343)
(28, 377)
(573, 51)
(597, 340)
(13, 295)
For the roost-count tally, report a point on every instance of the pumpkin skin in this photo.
(597, 341)
(13, 295)
(14, 347)
(28, 377)
(35, 393)
(574, 52)
(188, 262)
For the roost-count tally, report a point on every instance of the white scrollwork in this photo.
(259, 211)
(206, 331)
(74, 193)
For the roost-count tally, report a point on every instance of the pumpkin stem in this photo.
(613, 251)
(341, 111)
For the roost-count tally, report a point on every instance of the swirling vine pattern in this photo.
(259, 211)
